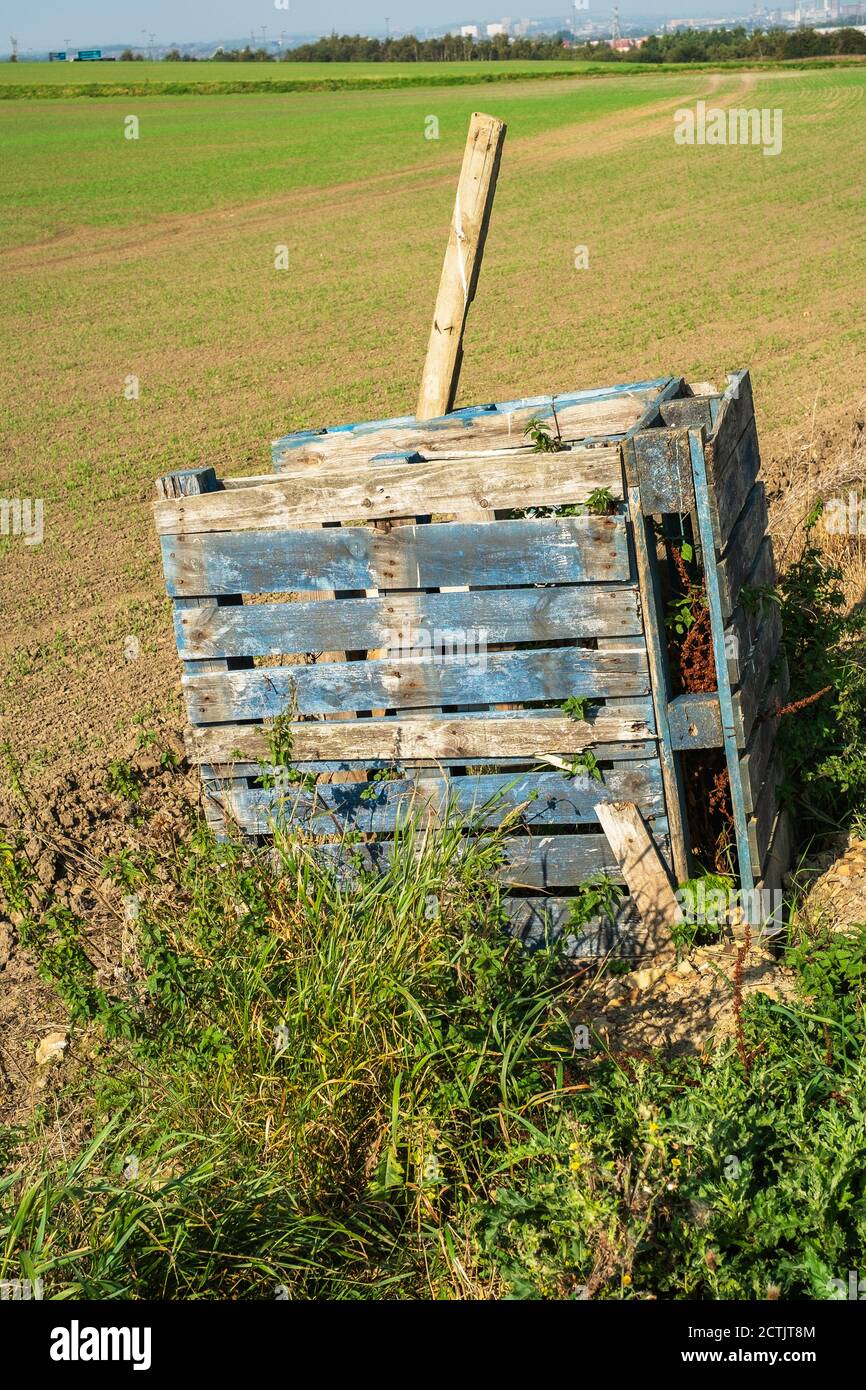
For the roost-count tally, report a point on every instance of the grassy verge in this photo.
(452, 77)
(312, 1085)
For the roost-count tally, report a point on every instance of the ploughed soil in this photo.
(71, 828)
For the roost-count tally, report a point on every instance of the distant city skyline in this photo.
(54, 23)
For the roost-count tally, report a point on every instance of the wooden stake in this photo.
(644, 871)
(475, 193)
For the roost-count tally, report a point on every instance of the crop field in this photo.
(187, 277)
(121, 74)
(154, 258)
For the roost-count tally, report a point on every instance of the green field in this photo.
(154, 258)
(65, 79)
(34, 74)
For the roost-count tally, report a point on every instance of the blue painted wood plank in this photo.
(541, 551)
(717, 623)
(299, 439)
(542, 862)
(548, 674)
(541, 921)
(543, 799)
(404, 621)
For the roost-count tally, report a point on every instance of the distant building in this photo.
(623, 45)
(494, 30)
(469, 31)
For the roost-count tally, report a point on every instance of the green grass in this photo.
(41, 80)
(360, 1088)
(236, 149)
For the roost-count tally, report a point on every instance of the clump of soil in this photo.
(689, 1008)
(69, 829)
(835, 885)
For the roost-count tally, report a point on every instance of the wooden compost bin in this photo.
(287, 587)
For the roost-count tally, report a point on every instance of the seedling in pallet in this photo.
(601, 502)
(576, 707)
(757, 598)
(586, 765)
(543, 441)
(599, 897)
(382, 774)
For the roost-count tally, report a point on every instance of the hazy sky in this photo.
(49, 23)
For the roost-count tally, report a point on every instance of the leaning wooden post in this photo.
(465, 249)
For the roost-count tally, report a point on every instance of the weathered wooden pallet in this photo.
(288, 589)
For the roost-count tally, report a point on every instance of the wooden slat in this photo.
(764, 817)
(540, 920)
(756, 673)
(523, 735)
(664, 469)
(732, 456)
(695, 721)
(489, 615)
(777, 860)
(756, 760)
(745, 624)
(503, 482)
(642, 868)
(329, 687)
(542, 798)
(542, 551)
(638, 750)
(609, 410)
(691, 412)
(528, 861)
(466, 238)
(742, 548)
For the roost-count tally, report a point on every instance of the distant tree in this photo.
(172, 56)
(850, 41)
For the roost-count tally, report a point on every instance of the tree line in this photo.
(689, 46)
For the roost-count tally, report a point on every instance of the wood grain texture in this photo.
(538, 798)
(763, 819)
(571, 416)
(643, 870)
(525, 734)
(664, 469)
(542, 551)
(549, 674)
(476, 189)
(733, 458)
(511, 481)
(502, 615)
(742, 549)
